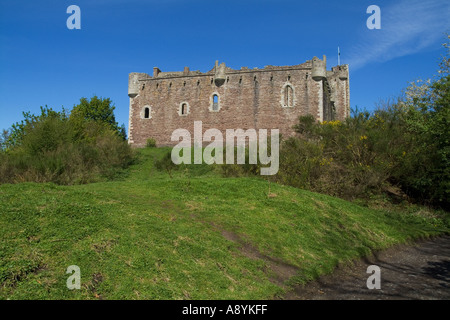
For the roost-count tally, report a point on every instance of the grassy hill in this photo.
(194, 236)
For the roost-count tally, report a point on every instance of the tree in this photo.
(99, 110)
(19, 129)
(3, 139)
(65, 148)
(427, 104)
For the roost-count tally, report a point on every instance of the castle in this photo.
(224, 98)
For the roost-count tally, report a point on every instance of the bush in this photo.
(166, 164)
(99, 110)
(397, 147)
(402, 149)
(336, 158)
(54, 147)
(151, 143)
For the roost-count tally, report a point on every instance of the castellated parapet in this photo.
(224, 98)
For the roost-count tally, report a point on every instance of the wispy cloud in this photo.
(407, 27)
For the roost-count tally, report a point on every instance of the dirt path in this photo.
(419, 272)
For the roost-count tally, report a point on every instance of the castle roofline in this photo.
(158, 74)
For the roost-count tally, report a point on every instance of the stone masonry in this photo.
(224, 98)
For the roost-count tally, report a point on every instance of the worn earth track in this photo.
(408, 272)
(418, 271)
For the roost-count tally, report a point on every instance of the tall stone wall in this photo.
(269, 98)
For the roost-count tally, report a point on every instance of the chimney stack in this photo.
(156, 71)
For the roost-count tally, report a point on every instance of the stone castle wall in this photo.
(269, 98)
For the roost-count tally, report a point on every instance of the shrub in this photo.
(99, 110)
(3, 139)
(54, 147)
(334, 157)
(166, 164)
(151, 143)
(397, 147)
(403, 146)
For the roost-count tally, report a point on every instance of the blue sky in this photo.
(44, 63)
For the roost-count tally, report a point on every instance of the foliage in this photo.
(401, 150)
(63, 148)
(336, 158)
(3, 139)
(98, 110)
(166, 164)
(18, 130)
(151, 143)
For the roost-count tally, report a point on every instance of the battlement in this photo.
(158, 74)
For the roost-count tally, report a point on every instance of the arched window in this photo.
(184, 109)
(146, 112)
(215, 106)
(288, 96)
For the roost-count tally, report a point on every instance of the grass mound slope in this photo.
(193, 235)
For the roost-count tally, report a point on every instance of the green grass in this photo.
(152, 237)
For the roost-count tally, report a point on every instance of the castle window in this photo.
(215, 102)
(215, 106)
(183, 109)
(287, 96)
(146, 112)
